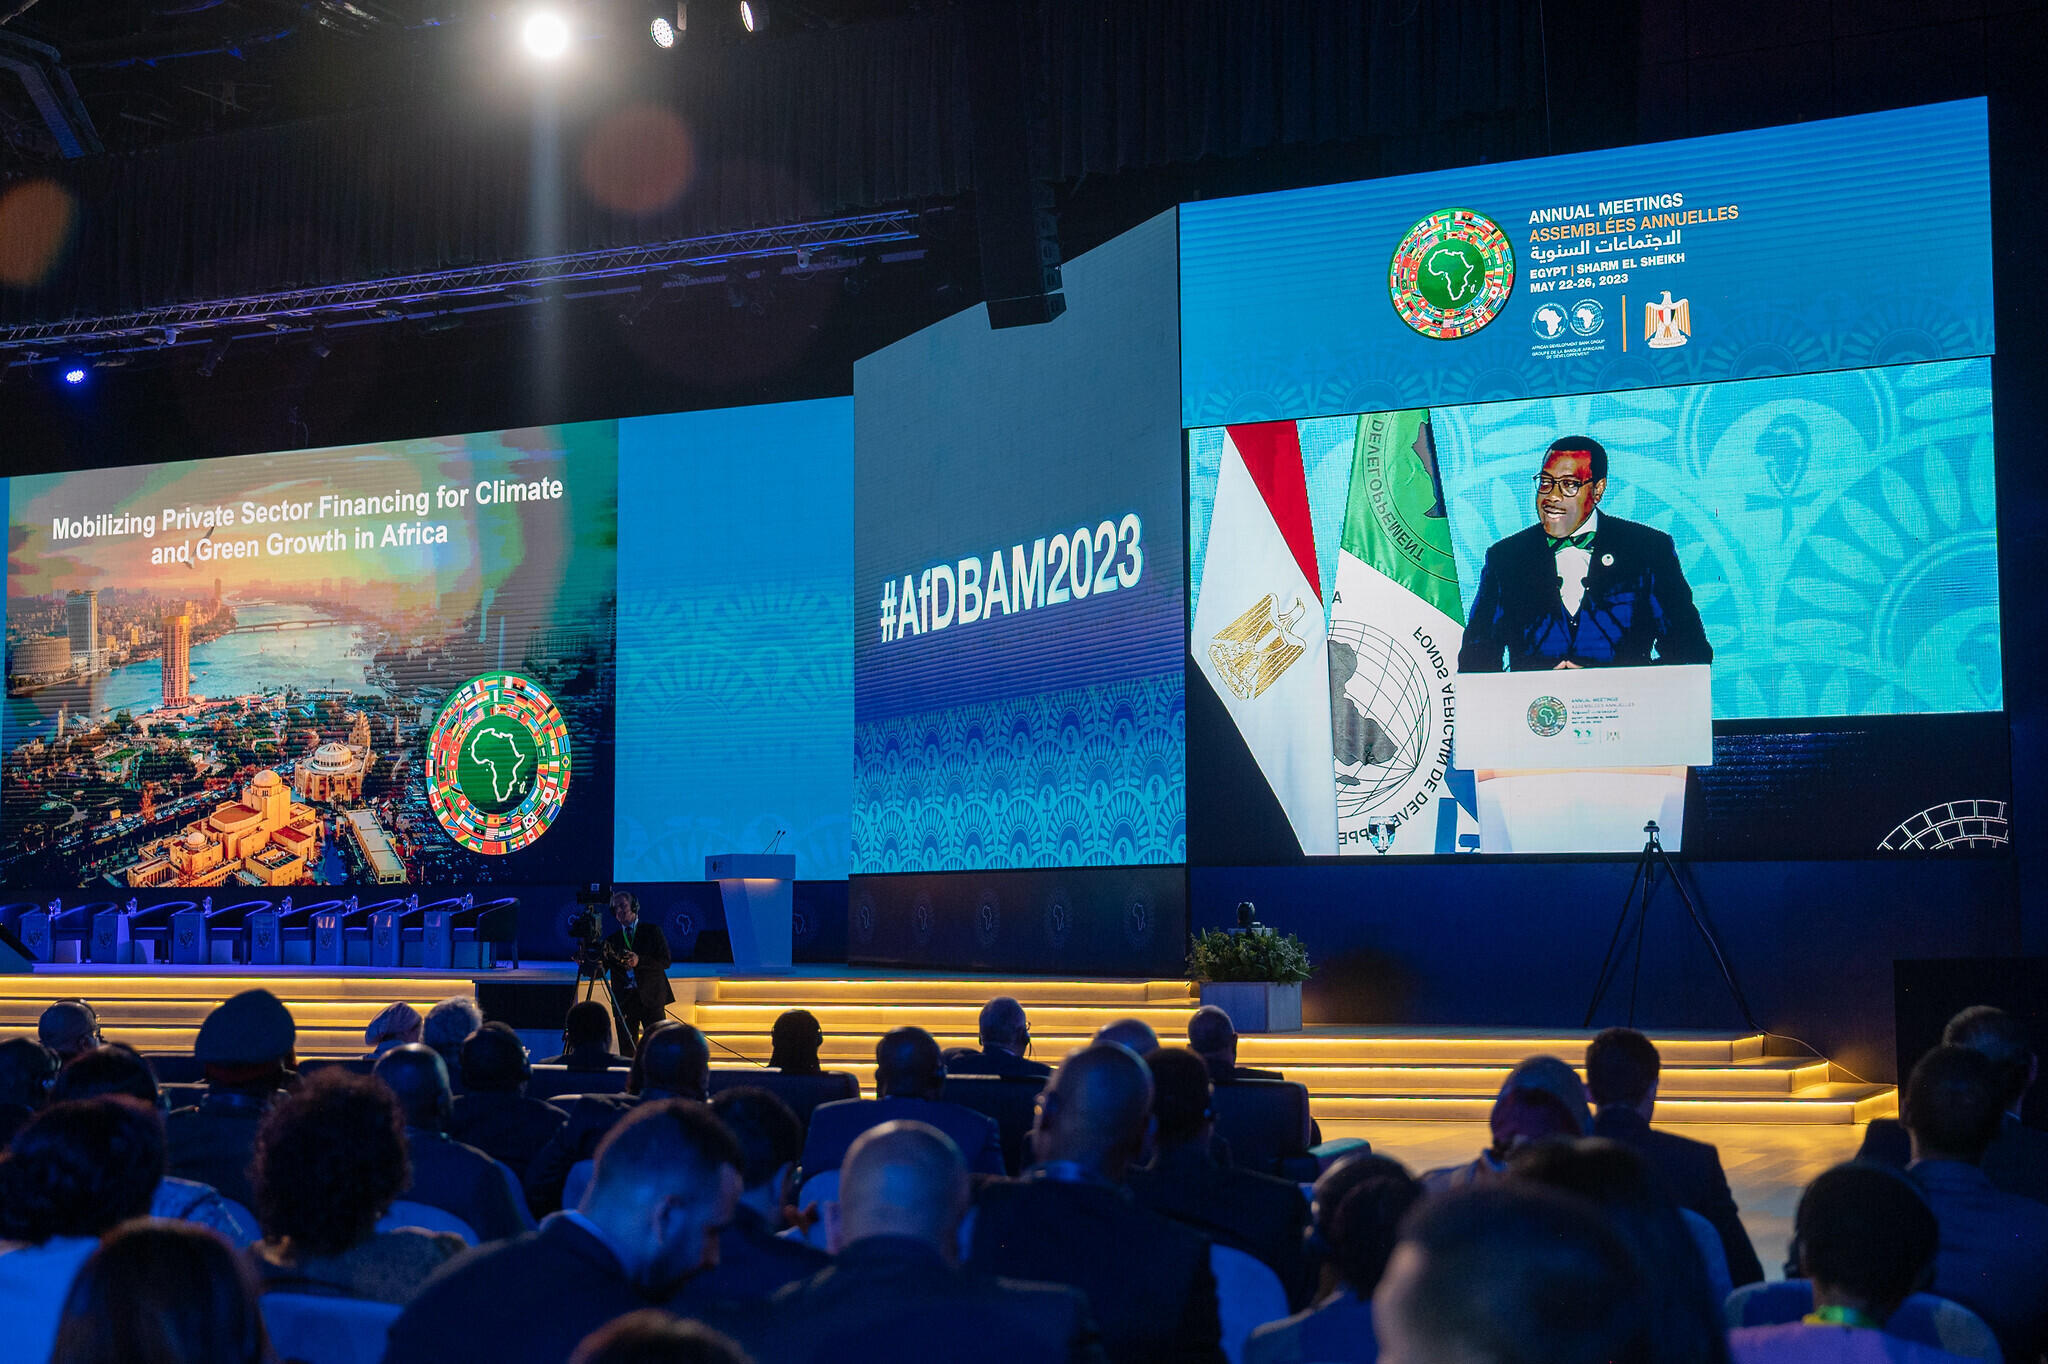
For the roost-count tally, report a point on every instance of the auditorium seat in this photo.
(802, 1093)
(1012, 1102)
(151, 925)
(54, 933)
(396, 923)
(282, 935)
(559, 1082)
(175, 1068)
(1923, 1318)
(198, 934)
(184, 1094)
(576, 1181)
(484, 936)
(1248, 1295)
(406, 1213)
(360, 1065)
(111, 942)
(1267, 1125)
(327, 1330)
(341, 936)
(10, 916)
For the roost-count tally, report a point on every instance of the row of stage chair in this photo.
(451, 934)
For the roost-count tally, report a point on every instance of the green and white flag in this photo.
(1395, 625)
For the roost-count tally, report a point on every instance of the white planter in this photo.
(1256, 1006)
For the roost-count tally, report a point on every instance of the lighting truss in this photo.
(825, 243)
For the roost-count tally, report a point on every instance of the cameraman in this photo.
(639, 958)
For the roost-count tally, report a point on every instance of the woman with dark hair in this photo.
(74, 1172)
(330, 1161)
(794, 1043)
(159, 1292)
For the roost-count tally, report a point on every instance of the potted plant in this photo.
(1252, 974)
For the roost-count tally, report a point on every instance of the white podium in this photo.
(757, 891)
(1578, 759)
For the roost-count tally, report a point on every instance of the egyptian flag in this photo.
(1258, 632)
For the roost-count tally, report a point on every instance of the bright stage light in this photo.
(74, 375)
(753, 16)
(662, 31)
(545, 35)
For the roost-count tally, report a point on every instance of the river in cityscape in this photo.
(245, 661)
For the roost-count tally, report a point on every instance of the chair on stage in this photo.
(280, 935)
(54, 933)
(1011, 1100)
(318, 1329)
(1267, 1125)
(10, 915)
(1923, 1318)
(558, 1082)
(210, 934)
(457, 933)
(111, 934)
(802, 1093)
(149, 929)
(341, 935)
(393, 925)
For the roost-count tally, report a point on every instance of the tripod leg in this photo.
(1713, 944)
(1635, 980)
(1612, 961)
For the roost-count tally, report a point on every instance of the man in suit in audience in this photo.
(896, 1291)
(1213, 1037)
(247, 1047)
(1258, 1214)
(1622, 1067)
(2016, 1162)
(496, 1116)
(445, 1173)
(674, 1063)
(1994, 1246)
(640, 960)
(1371, 1195)
(908, 1077)
(587, 1039)
(1005, 1037)
(1134, 1033)
(753, 1261)
(1070, 1219)
(667, 1178)
(70, 1028)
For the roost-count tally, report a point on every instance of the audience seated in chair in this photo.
(1993, 1256)
(1213, 1037)
(73, 1173)
(494, 1114)
(666, 1179)
(117, 1069)
(794, 1042)
(587, 1039)
(1361, 1201)
(908, 1076)
(895, 1289)
(394, 1026)
(164, 1293)
(1256, 1213)
(1134, 1033)
(448, 1025)
(674, 1063)
(70, 1028)
(2016, 1162)
(1622, 1067)
(447, 1174)
(1867, 1240)
(1005, 1037)
(247, 1048)
(1070, 1220)
(753, 1261)
(654, 1337)
(1518, 1117)
(27, 1070)
(330, 1160)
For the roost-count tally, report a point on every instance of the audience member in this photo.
(1510, 1273)
(1327, 1195)
(896, 1279)
(246, 1049)
(1255, 1213)
(666, 1179)
(1867, 1240)
(447, 1174)
(908, 1078)
(1993, 1256)
(1358, 1239)
(1554, 1077)
(653, 1337)
(674, 1063)
(27, 1068)
(1213, 1037)
(330, 1160)
(2016, 1162)
(117, 1069)
(1683, 1306)
(449, 1024)
(495, 1115)
(1134, 1033)
(1519, 1116)
(395, 1025)
(1005, 1037)
(73, 1173)
(1069, 1220)
(639, 957)
(158, 1292)
(794, 1041)
(753, 1261)
(70, 1027)
(587, 1038)
(1622, 1068)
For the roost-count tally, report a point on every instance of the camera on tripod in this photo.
(586, 930)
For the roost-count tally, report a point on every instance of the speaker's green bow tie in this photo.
(1579, 541)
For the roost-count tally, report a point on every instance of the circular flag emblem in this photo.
(1452, 273)
(1546, 716)
(498, 763)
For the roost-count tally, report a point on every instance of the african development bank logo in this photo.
(498, 763)
(1546, 716)
(1452, 273)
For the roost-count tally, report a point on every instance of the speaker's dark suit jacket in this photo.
(648, 982)
(886, 1299)
(590, 1117)
(834, 1127)
(2016, 1161)
(1692, 1171)
(1257, 1214)
(1637, 609)
(961, 1061)
(1147, 1277)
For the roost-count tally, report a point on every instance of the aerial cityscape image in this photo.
(380, 664)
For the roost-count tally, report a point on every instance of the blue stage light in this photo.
(75, 375)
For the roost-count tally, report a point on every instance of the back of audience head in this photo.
(394, 1026)
(1134, 1033)
(1003, 1026)
(651, 1336)
(1953, 1105)
(770, 1138)
(69, 1027)
(418, 1078)
(1510, 1274)
(1522, 1116)
(1553, 1076)
(1095, 1111)
(664, 1180)
(1622, 1066)
(494, 1061)
(1866, 1238)
(114, 1068)
(588, 1026)
(27, 1068)
(1212, 1035)
(158, 1292)
(450, 1023)
(1361, 1234)
(248, 1043)
(674, 1061)
(904, 1179)
(330, 1159)
(1182, 1102)
(2002, 1040)
(794, 1042)
(1336, 1183)
(908, 1065)
(80, 1169)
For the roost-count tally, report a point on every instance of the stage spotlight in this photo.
(545, 35)
(662, 31)
(754, 15)
(210, 362)
(75, 374)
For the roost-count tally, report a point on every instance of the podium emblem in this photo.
(1546, 716)
(1252, 651)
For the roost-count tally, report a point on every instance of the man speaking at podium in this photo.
(1578, 589)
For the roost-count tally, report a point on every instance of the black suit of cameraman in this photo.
(639, 958)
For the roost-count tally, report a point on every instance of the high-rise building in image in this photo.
(82, 624)
(178, 659)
